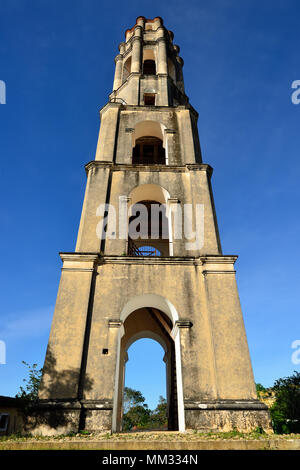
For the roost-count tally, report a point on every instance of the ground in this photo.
(170, 441)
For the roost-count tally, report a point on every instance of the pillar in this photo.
(118, 71)
(162, 66)
(136, 50)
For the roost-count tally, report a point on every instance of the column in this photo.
(118, 72)
(169, 140)
(177, 218)
(162, 66)
(136, 50)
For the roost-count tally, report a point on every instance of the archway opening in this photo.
(149, 144)
(149, 67)
(149, 64)
(148, 150)
(150, 322)
(144, 397)
(148, 233)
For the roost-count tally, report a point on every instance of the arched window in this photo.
(149, 143)
(148, 229)
(149, 67)
(149, 150)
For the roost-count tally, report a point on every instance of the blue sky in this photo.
(241, 57)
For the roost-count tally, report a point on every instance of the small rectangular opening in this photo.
(105, 351)
(149, 99)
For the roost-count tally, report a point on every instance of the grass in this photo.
(152, 436)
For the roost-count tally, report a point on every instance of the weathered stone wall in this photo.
(228, 420)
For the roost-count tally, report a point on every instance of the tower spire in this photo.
(148, 52)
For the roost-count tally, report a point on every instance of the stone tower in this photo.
(168, 281)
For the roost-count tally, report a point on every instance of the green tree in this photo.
(136, 412)
(138, 416)
(260, 389)
(131, 398)
(30, 392)
(285, 412)
(159, 416)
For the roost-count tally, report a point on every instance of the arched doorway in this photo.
(149, 322)
(152, 316)
(145, 373)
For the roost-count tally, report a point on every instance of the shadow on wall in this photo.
(60, 393)
(66, 384)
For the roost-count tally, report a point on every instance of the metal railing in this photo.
(117, 100)
(134, 250)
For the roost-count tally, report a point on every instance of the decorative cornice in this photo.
(141, 260)
(217, 272)
(78, 258)
(73, 256)
(100, 259)
(79, 270)
(162, 168)
(219, 259)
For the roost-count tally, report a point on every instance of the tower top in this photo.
(149, 61)
(148, 24)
